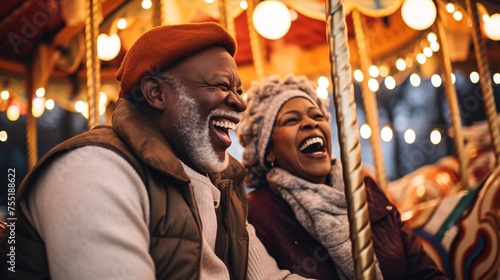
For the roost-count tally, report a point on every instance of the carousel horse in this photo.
(460, 229)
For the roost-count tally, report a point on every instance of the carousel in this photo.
(413, 85)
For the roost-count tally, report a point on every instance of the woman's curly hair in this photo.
(264, 99)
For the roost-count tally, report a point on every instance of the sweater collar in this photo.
(146, 140)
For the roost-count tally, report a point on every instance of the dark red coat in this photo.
(400, 254)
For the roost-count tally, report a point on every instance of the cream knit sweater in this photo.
(92, 210)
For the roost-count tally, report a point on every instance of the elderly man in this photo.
(155, 196)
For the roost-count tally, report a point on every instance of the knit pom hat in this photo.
(264, 100)
(163, 46)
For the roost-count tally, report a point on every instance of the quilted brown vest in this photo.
(174, 223)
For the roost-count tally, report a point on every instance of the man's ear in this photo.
(153, 92)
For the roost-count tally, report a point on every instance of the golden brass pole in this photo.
(451, 97)
(369, 99)
(223, 14)
(345, 106)
(484, 78)
(158, 15)
(31, 130)
(92, 19)
(256, 44)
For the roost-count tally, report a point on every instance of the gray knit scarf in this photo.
(322, 211)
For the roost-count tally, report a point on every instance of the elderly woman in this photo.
(298, 207)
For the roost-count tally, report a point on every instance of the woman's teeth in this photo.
(310, 142)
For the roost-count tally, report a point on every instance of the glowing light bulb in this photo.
(419, 14)
(271, 19)
(435, 137)
(373, 85)
(386, 134)
(3, 136)
(436, 80)
(5, 95)
(50, 104)
(323, 82)
(491, 27)
(365, 131)
(13, 113)
(373, 71)
(410, 136)
(322, 92)
(390, 82)
(358, 75)
(415, 80)
(401, 64)
(108, 47)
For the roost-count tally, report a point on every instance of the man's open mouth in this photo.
(224, 125)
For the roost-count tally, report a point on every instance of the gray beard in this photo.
(195, 135)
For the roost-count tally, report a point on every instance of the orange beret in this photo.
(162, 46)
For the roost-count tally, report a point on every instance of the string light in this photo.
(436, 80)
(323, 82)
(121, 23)
(421, 58)
(38, 107)
(450, 8)
(386, 133)
(146, 4)
(271, 19)
(79, 106)
(5, 95)
(383, 70)
(400, 64)
(365, 131)
(373, 71)
(373, 85)
(431, 37)
(409, 62)
(458, 15)
(434, 46)
(50, 104)
(13, 113)
(390, 82)
(358, 75)
(3, 136)
(322, 92)
(427, 51)
(496, 78)
(491, 27)
(415, 80)
(410, 136)
(474, 77)
(40, 92)
(435, 137)
(244, 5)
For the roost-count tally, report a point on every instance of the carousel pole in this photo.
(345, 106)
(369, 100)
(484, 78)
(31, 131)
(451, 97)
(225, 18)
(223, 14)
(158, 15)
(256, 43)
(92, 19)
